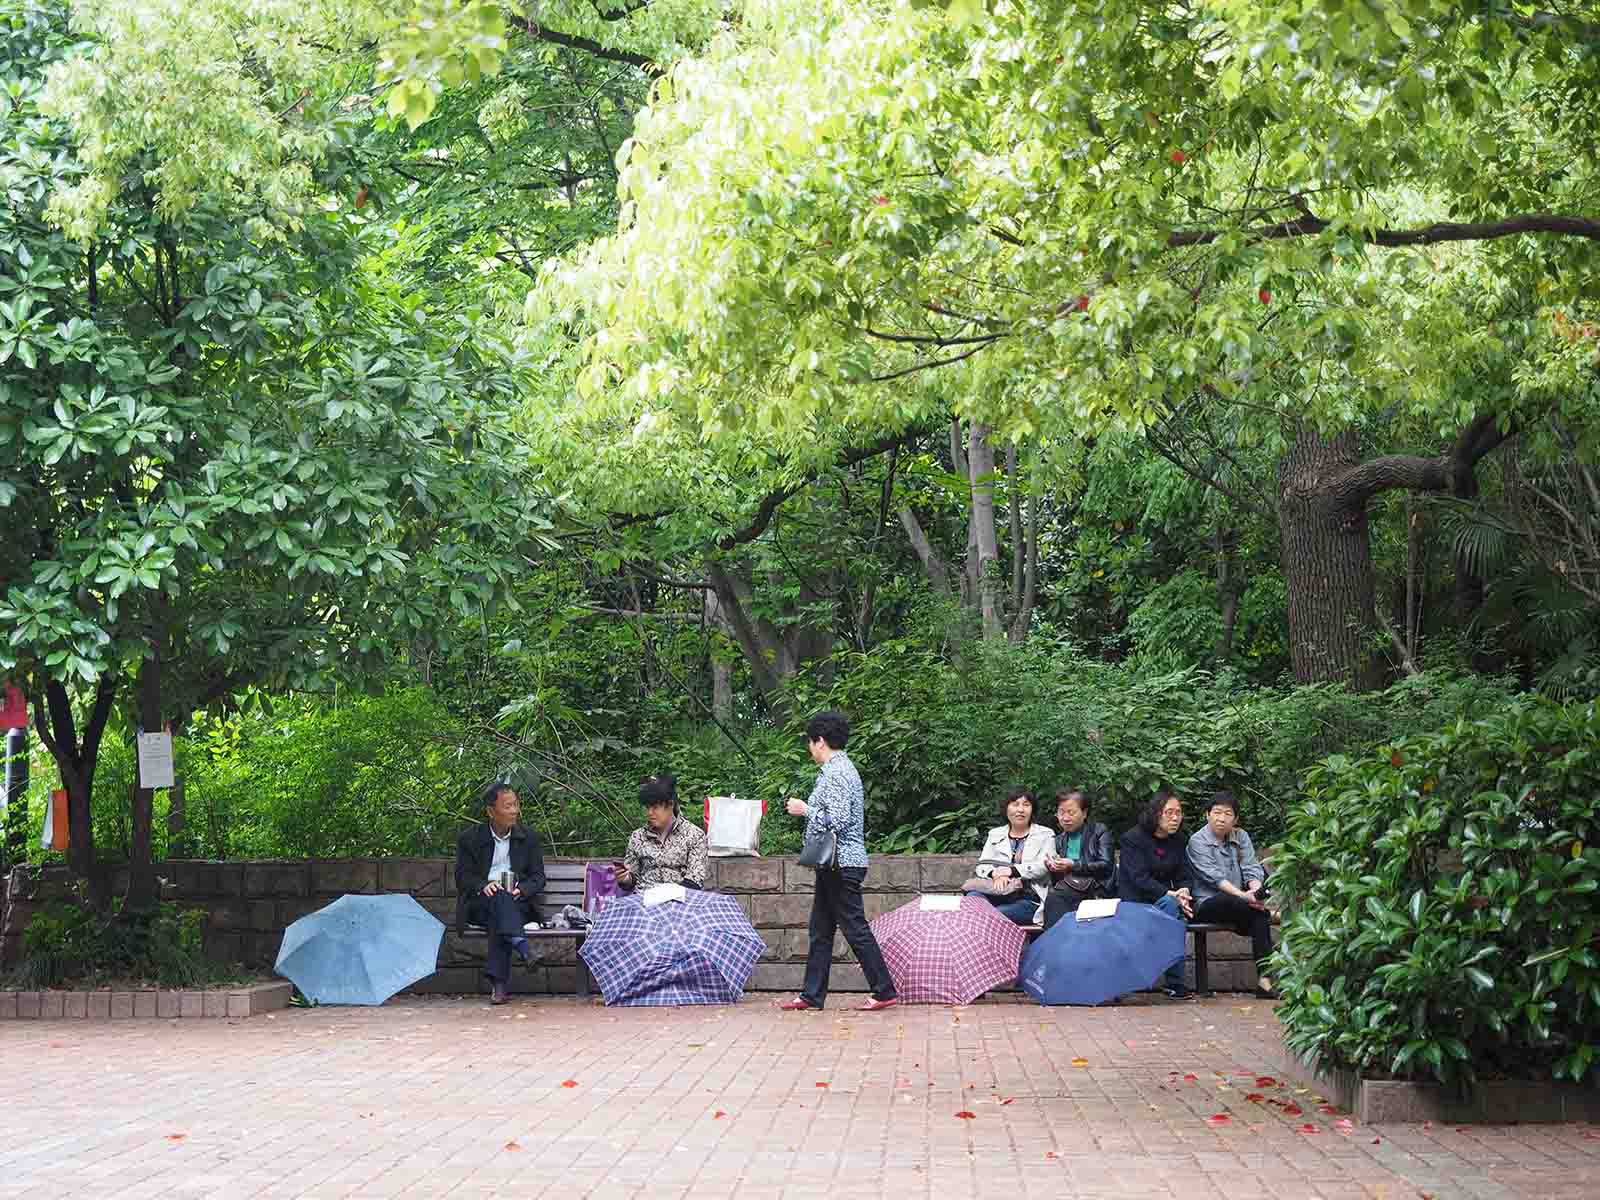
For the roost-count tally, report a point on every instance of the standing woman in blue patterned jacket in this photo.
(837, 806)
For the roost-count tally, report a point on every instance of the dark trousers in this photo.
(1254, 923)
(503, 915)
(1018, 908)
(1061, 900)
(836, 904)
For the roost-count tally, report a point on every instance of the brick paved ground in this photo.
(435, 1096)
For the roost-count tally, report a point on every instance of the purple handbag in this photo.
(599, 885)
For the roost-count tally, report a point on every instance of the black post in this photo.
(14, 843)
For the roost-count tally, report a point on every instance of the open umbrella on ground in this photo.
(698, 950)
(1090, 962)
(948, 956)
(360, 949)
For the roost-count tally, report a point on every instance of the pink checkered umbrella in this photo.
(948, 957)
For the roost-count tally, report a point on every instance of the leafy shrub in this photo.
(1442, 890)
(938, 743)
(69, 944)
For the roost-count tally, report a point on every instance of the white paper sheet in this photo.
(1089, 910)
(661, 893)
(155, 760)
(940, 903)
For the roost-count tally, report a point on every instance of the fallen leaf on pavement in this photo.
(1218, 1119)
(1292, 1110)
(1051, 1154)
(822, 1083)
(1266, 1081)
(718, 1115)
(1190, 1078)
(513, 1146)
(1254, 1097)
(1080, 1062)
(176, 1137)
(965, 1115)
(569, 1083)
(1308, 1127)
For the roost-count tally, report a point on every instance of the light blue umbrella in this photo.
(1090, 962)
(360, 949)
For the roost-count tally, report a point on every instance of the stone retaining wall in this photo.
(251, 903)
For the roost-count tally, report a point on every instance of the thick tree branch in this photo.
(1427, 235)
(774, 499)
(589, 46)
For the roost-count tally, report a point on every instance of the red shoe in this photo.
(875, 1004)
(797, 1004)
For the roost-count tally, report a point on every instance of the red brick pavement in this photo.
(435, 1097)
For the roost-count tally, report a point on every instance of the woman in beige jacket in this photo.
(1013, 860)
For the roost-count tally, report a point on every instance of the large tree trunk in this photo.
(1324, 488)
(1227, 593)
(980, 460)
(721, 671)
(773, 655)
(75, 762)
(1327, 560)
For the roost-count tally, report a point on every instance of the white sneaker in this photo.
(531, 927)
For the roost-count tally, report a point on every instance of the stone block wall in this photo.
(249, 905)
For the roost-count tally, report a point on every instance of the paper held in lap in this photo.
(1090, 909)
(940, 904)
(661, 893)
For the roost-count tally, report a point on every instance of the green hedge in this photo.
(1445, 923)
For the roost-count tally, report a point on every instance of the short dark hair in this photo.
(832, 726)
(1150, 814)
(659, 789)
(1227, 801)
(1017, 793)
(1074, 793)
(492, 792)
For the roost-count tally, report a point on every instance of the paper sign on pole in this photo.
(155, 760)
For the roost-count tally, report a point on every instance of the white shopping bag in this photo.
(733, 825)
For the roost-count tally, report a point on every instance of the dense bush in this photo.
(66, 944)
(1442, 890)
(938, 743)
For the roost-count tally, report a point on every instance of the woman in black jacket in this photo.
(1154, 869)
(1081, 865)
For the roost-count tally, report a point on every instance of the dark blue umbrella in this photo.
(360, 949)
(698, 950)
(1090, 962)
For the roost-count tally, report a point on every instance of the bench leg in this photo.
(583, 972)
(1202, 972)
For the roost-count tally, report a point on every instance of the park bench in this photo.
(563, 885)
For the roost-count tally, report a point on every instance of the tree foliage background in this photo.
(1078, 393)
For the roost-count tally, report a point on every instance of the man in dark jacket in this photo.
(499, 875)
(1080, 864)
(1153, 868)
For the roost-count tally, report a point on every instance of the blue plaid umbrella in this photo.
(1090, 962)
(700, 950)
(360, 949)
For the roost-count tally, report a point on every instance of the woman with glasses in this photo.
(1153, 868)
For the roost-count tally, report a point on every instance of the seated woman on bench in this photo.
(1153, 869)
(1230, 884)
(1081, 863)
(666, 849)
(1013, 860)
